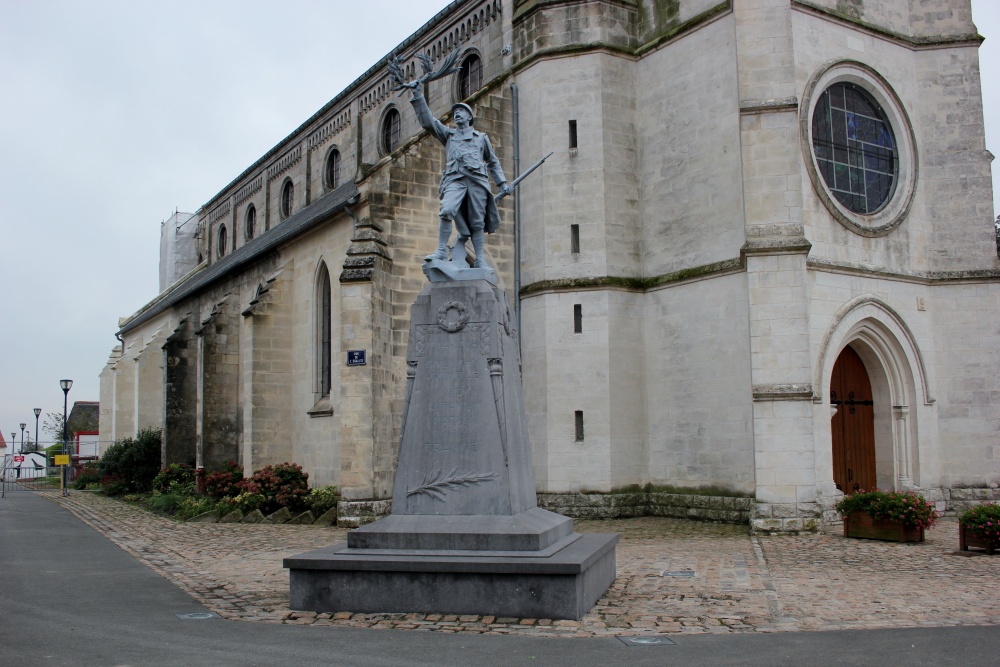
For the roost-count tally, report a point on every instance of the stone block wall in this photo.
(218, 386)
(180, 391)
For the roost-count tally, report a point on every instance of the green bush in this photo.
(282, 485)
(88, 475)
(192, 506)
(984, 521)
(166, 503)
(322, 499)
(244, 502)
(910, 508)
(131, 464)
(176, 478)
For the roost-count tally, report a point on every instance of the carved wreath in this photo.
(453, 326)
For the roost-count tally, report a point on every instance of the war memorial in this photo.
(759, 270)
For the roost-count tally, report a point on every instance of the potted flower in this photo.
(886, 515)
(979, 527)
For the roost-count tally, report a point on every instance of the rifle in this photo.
(523, 176)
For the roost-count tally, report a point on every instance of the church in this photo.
(758, 271)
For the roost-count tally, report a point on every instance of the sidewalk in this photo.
(741, 583)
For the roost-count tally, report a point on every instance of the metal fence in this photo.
(31, 477)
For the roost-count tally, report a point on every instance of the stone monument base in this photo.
(529, 564)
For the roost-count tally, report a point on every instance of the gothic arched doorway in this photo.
(853, 424)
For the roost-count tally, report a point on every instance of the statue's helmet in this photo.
(468, 109)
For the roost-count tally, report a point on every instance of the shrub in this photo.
(322, 500)
(245, 502)
(910, 508)
(132, 463)
(166, 503)
(87, 476)
(984, 522)
(282, 485)
(176, 478)
(192, 506)
(225, 483)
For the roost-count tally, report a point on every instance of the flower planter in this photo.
(861, 524)
(967, 539)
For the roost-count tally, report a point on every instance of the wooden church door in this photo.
(853, 425)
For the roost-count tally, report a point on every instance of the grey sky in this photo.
(114, 113)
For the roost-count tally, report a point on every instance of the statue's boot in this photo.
(444, 232)
(479, 245)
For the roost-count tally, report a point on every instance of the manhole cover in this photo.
(646, 641)
(197, 616)
(679, 573)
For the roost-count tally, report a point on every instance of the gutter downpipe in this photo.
(517, 216)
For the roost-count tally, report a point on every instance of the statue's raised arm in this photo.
(466, 197)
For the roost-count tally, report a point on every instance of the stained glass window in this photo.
(855, 148)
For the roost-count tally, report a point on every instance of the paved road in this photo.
(69, 596)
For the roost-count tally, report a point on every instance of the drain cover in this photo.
(647, 641)
(679, 573)
(197, 616)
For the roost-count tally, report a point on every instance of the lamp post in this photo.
(37, 412)
(22, 425)
(65, 385)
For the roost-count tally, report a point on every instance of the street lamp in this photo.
(37, 412)
(13, 439)
(22, 436)
(65, 385)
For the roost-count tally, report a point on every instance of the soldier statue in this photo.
(466, 197)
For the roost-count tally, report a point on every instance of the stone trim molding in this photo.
(284, 164)
(216, 309)
(887, 317)
(782, 392)
(910, 42)
(367, 244)
(331, 128)
(919, 277)
(715, 269)
(219, 212)
(892, 214)
(259, 294)
(771, 105)
(248, 190)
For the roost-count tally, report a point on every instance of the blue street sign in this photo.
(356, 357)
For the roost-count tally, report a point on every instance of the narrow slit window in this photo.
(574, 239)
(577, 318)
(572, 134)
(578, 424)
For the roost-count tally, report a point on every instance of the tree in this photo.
(53, 426)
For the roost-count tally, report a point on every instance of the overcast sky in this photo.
(115, 113)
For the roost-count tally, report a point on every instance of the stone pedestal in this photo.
(465, 535)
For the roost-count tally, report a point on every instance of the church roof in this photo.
(298, 223)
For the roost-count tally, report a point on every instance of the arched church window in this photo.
(287, 198)
(855, 148)
(223, 238)
(324, 314)
(251, 221)
(390, 131)
(470, 77)
(333, 170)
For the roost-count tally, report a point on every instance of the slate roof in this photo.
(298, 223)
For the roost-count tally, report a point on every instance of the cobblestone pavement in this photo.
(740, 583)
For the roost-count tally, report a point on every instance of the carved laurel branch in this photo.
(437, 486)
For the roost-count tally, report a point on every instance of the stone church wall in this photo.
(685, 287)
